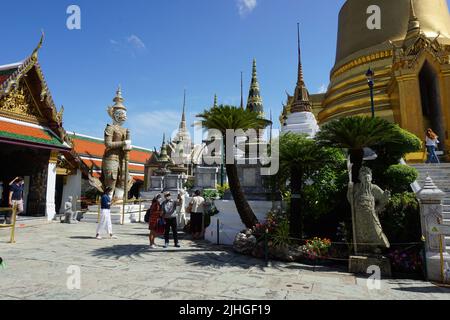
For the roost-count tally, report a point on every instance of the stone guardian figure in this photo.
(368, 201)
(117, 143)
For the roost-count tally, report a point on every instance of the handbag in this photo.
(147, 216)
(189, 208)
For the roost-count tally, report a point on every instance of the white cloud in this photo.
(323, 89)
(131, 44)
(246, 6)
(136, 42)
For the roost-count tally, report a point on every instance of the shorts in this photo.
(19, 205)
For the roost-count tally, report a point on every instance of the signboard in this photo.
(439, 229)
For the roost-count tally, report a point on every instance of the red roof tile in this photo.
(14, 131)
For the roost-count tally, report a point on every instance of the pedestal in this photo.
(361, 263)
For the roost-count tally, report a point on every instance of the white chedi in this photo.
(301, 123)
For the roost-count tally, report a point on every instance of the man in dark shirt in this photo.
(16, 194)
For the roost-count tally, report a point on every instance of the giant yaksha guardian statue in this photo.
(118, 145)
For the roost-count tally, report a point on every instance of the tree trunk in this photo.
(296, 216)
(245, 211)
(356, 158)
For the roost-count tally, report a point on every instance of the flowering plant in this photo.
(316, 248)
(406, 260)
(277, 228)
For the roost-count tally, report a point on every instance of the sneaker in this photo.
(153, 246)
(98, 238)
(166, 245)
(113, 237)
(177, 246)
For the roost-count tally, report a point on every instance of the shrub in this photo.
(399, 177)
(221, 190)
(401, 219)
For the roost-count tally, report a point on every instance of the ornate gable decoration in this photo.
(407, 57)
(19, 104)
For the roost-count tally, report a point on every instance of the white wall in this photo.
(72, 188)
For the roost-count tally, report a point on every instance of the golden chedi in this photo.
(410, 57)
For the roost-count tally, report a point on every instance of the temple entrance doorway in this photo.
(431, 103)
(30, 163)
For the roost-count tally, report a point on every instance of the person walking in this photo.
(169, 207)
(105, 224)
(16, 196)
(431, 142)
(197, 206)
(155, 214)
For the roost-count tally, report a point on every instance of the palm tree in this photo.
(224, 118)
(355, 134)
(300, 158)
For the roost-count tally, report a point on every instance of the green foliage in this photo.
(221, 190)
(357, 132)
(281, 236)
(188, 185)
(323, 177)
(226, 117)
(316, 248)
(277, 227)
(210, 194)
(399, 177)
(401, 219)
(404, 142)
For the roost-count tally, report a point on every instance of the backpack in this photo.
(147, 215)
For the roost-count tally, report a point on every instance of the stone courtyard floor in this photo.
(37, 265)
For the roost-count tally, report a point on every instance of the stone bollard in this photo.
(430, 198)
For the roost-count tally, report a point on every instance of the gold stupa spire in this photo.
(301, 101)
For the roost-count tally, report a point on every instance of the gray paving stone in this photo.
(127, 268)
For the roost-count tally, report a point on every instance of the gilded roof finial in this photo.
(39, 46)
(414, 22)
(301, 101)
(300, 67)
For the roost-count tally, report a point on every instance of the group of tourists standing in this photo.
(164, 217)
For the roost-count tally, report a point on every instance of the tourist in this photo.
(432, 144)
(105, 224)
(155, 214)
(197, 206)
(169, 207)
(16, 195)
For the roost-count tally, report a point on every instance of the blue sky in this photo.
(157, 48)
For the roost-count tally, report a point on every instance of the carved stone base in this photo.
(360, 264)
